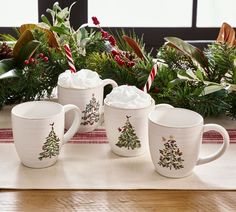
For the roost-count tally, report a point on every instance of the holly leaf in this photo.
(194, 53)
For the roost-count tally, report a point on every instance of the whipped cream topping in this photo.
(128, 97)
(82, 79)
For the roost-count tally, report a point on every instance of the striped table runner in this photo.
(98, 136)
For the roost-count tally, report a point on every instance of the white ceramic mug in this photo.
(90, 102)
(127, 129)
(175, 137)
(38, 131)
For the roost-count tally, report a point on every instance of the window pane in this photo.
(16, 12)
(212, 13)
(137, 13)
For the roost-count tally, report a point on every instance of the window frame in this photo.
(153, 37)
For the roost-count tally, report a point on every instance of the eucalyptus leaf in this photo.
(84, 42)
(191, 74)
(210, 83)
(71, 6)
(199, 75)
(182, 74)
(84, 33)
(59, 21)
(232, 87)
(45, 20)
(9, 74)
(6, 65)
(78, 36)
(60, 30)
(83, 26)
(175, 82)
(8, 37)
(63, 14)
(211, 89)
(56, 6)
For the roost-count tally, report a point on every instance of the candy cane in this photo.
(69, 58)
(151, 78)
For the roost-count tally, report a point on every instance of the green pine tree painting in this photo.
(91, 112)
(51, 146)
(128, 137)
(171, 155)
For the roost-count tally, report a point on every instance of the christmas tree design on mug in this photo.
(91, 112)
(128, 137)
(171, 155)
(51, 146)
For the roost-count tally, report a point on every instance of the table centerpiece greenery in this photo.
(200, 80)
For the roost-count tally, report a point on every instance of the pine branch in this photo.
(231, 100)
(221, 61)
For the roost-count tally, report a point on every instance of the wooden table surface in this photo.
(135, 200)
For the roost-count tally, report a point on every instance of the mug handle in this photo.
(109, 82)
(113, 84)
(75, 124)
(224, 146)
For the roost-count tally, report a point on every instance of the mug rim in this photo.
(133, 109)
(201, 122)
(81, 89)
(14, 112)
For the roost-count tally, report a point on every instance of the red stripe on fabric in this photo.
(98, 136)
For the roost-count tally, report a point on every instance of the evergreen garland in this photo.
(188, 94)
(90, 49)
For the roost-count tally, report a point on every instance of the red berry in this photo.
(41, 55)
(95, 20)
(105, 35)
(26, 62)
(156, 90)
(45, 59)
(31, 60)
(130, 63)
(112, 40)
(119, 60)
(114, 52)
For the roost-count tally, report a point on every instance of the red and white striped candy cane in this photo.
(150, 79)
(69, 58)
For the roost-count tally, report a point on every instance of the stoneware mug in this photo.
(175, 137)
(38, 131)
(127, 129)
(90, 102)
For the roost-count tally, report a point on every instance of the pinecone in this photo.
(5, 51)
